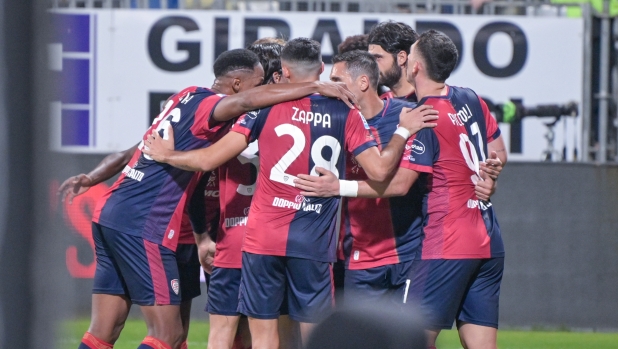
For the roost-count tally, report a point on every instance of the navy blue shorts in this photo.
(189, 271)
(223, 291)
(145, 272)
(465, 290)
(388, 282)
(266, 280)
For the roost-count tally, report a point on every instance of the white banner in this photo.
(115, 66)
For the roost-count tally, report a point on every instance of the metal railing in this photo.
(496, 7)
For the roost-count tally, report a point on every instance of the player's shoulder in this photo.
(318, 98)
(398, 104)
(458, 93)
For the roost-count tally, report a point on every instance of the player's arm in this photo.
(327, 184)
(106, 169)
(267, 95)
(380, 165)
(205, 159)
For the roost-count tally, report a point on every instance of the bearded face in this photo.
(391, 77)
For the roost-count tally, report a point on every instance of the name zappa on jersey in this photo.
(307, 117)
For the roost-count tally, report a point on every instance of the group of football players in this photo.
(274, 182)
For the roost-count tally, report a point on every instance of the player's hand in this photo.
(158, 148)
(485, 188)
(418, 118)
(493, 166)
(206, 251)
(326, 185)
(74, 186)
(337, 90)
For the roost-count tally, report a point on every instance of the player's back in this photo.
(148, 199)
(296, 137)
(458, 225)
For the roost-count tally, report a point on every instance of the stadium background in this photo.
(67, 100)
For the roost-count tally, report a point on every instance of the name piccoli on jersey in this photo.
(463, 115)
(308, 117)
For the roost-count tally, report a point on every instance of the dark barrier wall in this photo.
(560, 226)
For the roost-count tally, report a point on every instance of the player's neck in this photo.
(370, 104)
(402, 88)
(219, 87)
(427, 87)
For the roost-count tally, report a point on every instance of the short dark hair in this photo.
(393, 36)
(439, 54)
(269, 54)
(360, 62)
(303, 51)
(354, 42)
(232, 60)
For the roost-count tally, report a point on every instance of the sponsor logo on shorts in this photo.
(175, 286)
(300, 203)
(356, 255)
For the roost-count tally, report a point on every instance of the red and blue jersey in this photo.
(237, 186)
(149, 198)
(456, 225)
(377, 232)
(295, 137)
(203, 209)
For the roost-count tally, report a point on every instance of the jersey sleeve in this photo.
(251, 124)
(358, 138)
(421, 152)
(493, 131)
(203, 114)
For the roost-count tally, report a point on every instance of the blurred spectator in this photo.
(370, 327)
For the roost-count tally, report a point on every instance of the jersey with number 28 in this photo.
(296, 137)
(456, 224)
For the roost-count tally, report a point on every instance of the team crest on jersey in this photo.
(175, 286)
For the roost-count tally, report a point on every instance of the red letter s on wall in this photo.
(79, 217)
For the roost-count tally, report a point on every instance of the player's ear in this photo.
(286, 72)
(236, 85)
(276, 77)
(364, 82)
(322, 68)
(402, 58)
